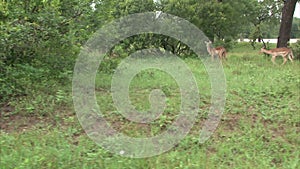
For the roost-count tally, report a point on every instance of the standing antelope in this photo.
(284, 52)
(220, 51)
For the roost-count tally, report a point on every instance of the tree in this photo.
(48, 32)
(221, 21)
(286, 22)
(261, 13)
(39, 41)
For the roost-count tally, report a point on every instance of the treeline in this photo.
(52, 30)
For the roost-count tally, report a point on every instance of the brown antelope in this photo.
(220, 51)
(284, 52)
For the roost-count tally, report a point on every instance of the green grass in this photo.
(259, 128)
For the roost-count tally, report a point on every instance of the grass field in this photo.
(260, 127)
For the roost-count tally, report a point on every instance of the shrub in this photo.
(296, 49)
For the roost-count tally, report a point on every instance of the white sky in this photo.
(297, 11)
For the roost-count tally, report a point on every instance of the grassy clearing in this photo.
(259, 128)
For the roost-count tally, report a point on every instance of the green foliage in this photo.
(126, 7)
(295, 28)
(42, 31)
(261, 14)
(20, 80)
(215, 19)
(16, 80)
(296, 49)
(228, 43)
(39, 41)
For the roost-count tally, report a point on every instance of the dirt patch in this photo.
(17, 123)
(11, 122)
(278, 131)
(230, 122)
(6, 108)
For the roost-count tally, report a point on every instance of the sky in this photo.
(297, 11)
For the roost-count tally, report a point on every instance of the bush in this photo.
(22, 79)
(296, 49)
(16, 80)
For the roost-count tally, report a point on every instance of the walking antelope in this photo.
(286, 54)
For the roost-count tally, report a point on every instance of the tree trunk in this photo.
(286, 23)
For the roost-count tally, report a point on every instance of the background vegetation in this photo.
(40, 40)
